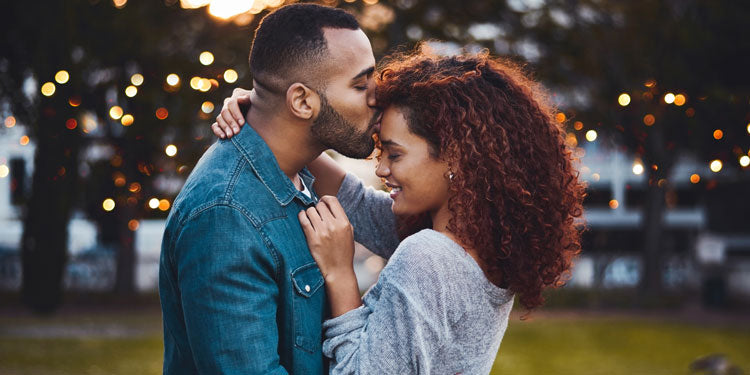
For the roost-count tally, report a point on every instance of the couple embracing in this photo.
(256, 273)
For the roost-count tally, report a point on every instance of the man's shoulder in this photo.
(224, 178)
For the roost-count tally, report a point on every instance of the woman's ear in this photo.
(302, 101)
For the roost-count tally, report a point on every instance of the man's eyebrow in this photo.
(364, 73)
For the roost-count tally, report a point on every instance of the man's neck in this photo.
(289, 145)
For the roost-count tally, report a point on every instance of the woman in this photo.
(486, 194)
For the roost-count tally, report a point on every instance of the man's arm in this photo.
(226, 277)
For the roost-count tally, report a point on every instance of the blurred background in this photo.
(105, 107)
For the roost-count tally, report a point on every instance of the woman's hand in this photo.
(231, 118)
(330, 237)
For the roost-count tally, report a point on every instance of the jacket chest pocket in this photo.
(308, 304)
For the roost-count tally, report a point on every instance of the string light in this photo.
(679, 100)
(716, 165)
(637, 168)
(115, 112)
(591, 135)
(136, 79)
(718, 134)
(163, 205)
(127, 120)
(173, 79)
(108, 204)
(206, 58)
(130, 91)
(624, 99)
(745, 160)
(170, 150)
(162, 113)
(669, 98)
(62, 77)
(695, 178)
(48, 89)
(230, 76)
(207, 107)
(153, 203)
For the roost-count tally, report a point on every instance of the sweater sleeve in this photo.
(369, 211)
(401, 330)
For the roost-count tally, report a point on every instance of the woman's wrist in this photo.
(343, 291)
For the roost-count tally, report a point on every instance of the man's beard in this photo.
(333, 131)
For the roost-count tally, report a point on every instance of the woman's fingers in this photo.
(217, 130)
(334, 207)
(315, 220)
(306, 224)
(325, 213)
(230, 124)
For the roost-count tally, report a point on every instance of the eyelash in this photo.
(361, 88)
(393, 156)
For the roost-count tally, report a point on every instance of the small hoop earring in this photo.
(450, 176)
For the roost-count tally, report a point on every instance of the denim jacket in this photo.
(240, 292)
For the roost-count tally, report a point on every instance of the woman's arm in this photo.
(328, 175)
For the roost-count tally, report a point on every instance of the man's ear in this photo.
(302, 101)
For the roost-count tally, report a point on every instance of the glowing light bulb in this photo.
(108, 204)
(716, 165)
(230, 76)
(48, 89)
(171, 150)
(623, 99)
(62, 77)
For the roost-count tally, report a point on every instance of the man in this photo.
(240, 292)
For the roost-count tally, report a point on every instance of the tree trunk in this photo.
(45, 237)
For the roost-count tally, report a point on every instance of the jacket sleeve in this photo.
(228, 290)
(402, 332)
(369, 211)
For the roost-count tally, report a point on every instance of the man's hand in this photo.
(231, 118)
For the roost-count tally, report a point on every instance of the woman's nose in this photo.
(382, 170)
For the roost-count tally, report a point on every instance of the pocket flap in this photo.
(307, 279)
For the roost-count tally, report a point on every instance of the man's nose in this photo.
(371, 93)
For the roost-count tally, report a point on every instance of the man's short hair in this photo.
(289, 42)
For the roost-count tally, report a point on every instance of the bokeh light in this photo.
(591, 135)
(206, 58)
(716, 165)
(136, 79)
(170, 150)
(623, 99)
(560, 117)
(679, 100)
(162, 113)
(578, 125)
(24, 140)
(207, 107)
(130, 91)
(649, 119)
(108, 204)
(48, 89)
(74, 101)
(230, 76)
(613, 204)
(173, 79)
(153, 203)
(637, 168)
(10, 122)
(669, 98)
(115, 112)
(4, 171)
(164, 205)
(127, 120)
(62, 77)
(133, 225)
(718, 134)
(134, 187)
(695, 178)
(71, 123)
(745, 160)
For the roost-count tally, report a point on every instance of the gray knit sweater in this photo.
(432, 311)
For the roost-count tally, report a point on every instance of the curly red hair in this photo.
(515, 194)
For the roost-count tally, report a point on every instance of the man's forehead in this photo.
(349, 45)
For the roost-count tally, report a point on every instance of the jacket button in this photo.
(307, 288)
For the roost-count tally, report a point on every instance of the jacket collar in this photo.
(264, 164)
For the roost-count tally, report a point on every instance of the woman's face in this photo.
(417, 180)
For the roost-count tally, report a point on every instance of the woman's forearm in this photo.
(343, 292)
(328, 175)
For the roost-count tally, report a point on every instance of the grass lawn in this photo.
(120, 343)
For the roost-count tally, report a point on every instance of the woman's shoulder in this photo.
(427, 250)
